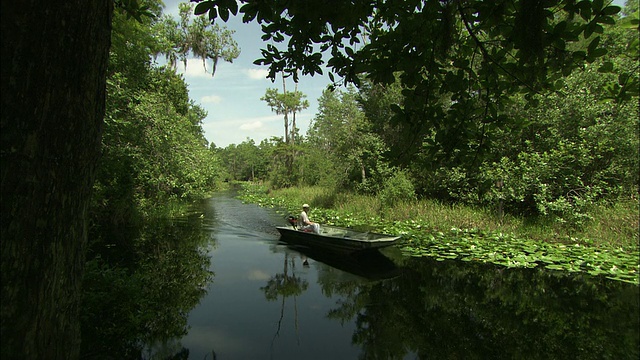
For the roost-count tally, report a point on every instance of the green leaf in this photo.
(213, 13)
(590, 29)
(203, 7)
(607, 20)
(593, 44)
(611, 10)
(606, 67)
(596, 5)
(396, 109)
(224, 14)
(232, 5)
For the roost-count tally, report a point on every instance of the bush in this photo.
(397, 189)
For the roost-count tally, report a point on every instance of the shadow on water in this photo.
(153, 285)
(370, 264)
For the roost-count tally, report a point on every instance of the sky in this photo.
(232, 96)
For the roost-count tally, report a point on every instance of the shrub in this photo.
(397, 189)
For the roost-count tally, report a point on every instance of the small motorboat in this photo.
(335, 238)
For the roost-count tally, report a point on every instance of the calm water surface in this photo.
(271, 301)
(266, 300)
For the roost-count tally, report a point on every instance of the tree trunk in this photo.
(54, 60)
(293, 127)
(286, 112)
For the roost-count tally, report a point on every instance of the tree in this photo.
(245, 161)
(286, 103)
(54, 62)
(194, 36)
(343, 133)
(457, 61)
(579, 146)
(154, 149)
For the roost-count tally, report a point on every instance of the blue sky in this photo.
(232, 96)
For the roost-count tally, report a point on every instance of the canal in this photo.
(219, 284)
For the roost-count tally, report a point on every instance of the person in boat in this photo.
(305, 224)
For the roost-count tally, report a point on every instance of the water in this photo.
(240, 293)
(267, 300)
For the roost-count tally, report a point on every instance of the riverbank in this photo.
(607, 246)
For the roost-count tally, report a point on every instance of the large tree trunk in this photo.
(54, 59)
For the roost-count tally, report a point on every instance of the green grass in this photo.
(612, 226)
(606, 246)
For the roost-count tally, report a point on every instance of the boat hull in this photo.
(337, 239)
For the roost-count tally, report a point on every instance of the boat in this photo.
(337, 239)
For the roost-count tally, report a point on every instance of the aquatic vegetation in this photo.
(507, 250)
(419, 240)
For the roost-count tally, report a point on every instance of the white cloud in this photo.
(255, 125)
(257, 74)
(195, 68)
(258, 275)
(211, 99)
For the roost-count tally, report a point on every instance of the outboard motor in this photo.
(293, 221)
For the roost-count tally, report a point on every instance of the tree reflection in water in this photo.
(285, 285)
(139, 287)
(459, 310)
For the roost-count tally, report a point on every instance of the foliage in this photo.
(509, 251)
(176, 40)
(245, 161)
(556, 159)
(282, 171)
(397, 189)
(539, 95)
(286, 103)
(390, 25)
(401, 138)
(574, 254)
(477, 55)
(342, 134)
(154, 149)
(560, 167)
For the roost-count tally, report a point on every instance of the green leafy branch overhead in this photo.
(458, 62)
(519, 42)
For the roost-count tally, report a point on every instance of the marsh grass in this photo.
(611, 226)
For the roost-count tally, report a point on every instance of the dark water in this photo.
(242, 294)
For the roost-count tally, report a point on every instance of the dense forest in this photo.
(153, 147)
(532, 106)
(548, 153)
(552, 152)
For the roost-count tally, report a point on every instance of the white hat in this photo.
(305, 206)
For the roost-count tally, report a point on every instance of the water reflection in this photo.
(140, 285)
(285, 284)
(150, 286)
(458, 310)
(371, 265)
